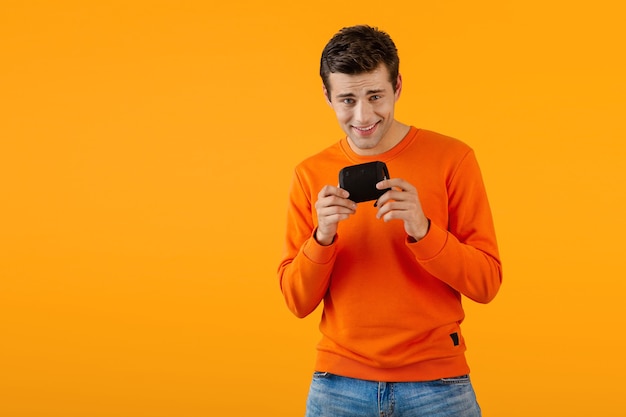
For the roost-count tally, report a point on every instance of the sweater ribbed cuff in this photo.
(430, 245)
(317, 253)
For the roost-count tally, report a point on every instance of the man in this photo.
(391, 274)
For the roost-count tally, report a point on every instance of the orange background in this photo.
(146, 151)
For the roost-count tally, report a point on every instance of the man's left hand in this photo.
(402, 203)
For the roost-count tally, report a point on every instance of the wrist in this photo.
(421, 234)
(324, 240)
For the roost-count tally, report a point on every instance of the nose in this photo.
(363, 113)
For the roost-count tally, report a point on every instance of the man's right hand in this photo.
(332, 206)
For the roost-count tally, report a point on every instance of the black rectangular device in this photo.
(360, 180)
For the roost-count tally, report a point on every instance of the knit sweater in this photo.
(392, 306)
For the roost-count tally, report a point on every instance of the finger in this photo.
(330, 205)
(392, 195)
(395, 207)
(388, 209)
(398, 183)
(329, 190)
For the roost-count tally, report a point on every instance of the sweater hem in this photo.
(428, 370)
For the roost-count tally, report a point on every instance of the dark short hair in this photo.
(359, 49)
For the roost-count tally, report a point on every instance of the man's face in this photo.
(364, 105)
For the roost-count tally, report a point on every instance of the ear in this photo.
(398, 87)
(326, 95)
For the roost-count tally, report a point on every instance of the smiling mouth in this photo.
(366, 128)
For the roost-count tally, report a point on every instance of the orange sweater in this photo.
(392, 308)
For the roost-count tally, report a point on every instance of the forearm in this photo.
(472, 268)
(304, 278)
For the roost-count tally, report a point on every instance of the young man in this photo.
(390, 275)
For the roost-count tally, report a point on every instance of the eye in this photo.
(375, 97)
(348, 101)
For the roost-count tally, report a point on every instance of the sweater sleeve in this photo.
(306, 266)
(464, 253)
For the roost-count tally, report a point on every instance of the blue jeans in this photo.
(336, 396)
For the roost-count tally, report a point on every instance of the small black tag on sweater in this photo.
(455, 338)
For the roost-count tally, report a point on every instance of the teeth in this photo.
(365, 128)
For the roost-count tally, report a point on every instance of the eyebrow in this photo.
(346, 95)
